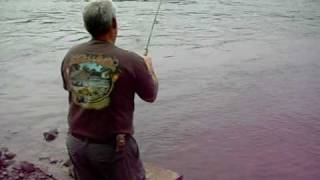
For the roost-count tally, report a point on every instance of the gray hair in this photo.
(98, 17)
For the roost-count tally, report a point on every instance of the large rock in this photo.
(51, 135)
(157, 173)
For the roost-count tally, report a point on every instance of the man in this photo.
(102, 80)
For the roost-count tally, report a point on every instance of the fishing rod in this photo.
(152, 27)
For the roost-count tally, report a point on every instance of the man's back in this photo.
(102, 80)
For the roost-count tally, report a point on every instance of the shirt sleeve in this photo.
(146, 87)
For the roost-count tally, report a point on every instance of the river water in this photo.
(239, 83)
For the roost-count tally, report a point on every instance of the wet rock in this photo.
(16, 167)
(4, 173)
(21, 175)
(71, 172)
(53, 161)
(67, 163)
(9, 155)
(51, 135)
(27, 167)
(7, 163)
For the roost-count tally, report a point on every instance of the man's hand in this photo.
(148, 61)
(121, 142)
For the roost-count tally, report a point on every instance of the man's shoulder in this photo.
(78, 47)
(127, 54)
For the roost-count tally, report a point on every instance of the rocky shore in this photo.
(10, 169)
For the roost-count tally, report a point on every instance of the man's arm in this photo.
(147, 82)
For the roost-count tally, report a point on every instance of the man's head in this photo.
(100, 19)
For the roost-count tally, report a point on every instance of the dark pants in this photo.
(102, 162)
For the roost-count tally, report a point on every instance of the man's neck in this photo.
(106, 38)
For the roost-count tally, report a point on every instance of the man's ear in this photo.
(114, 23)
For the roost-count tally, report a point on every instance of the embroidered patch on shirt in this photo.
(92, 79)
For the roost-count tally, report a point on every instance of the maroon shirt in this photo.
(102, 80)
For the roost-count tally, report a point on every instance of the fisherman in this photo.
(102, 80)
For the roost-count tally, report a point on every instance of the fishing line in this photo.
(152, 27)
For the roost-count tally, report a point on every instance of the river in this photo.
(239, 80)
